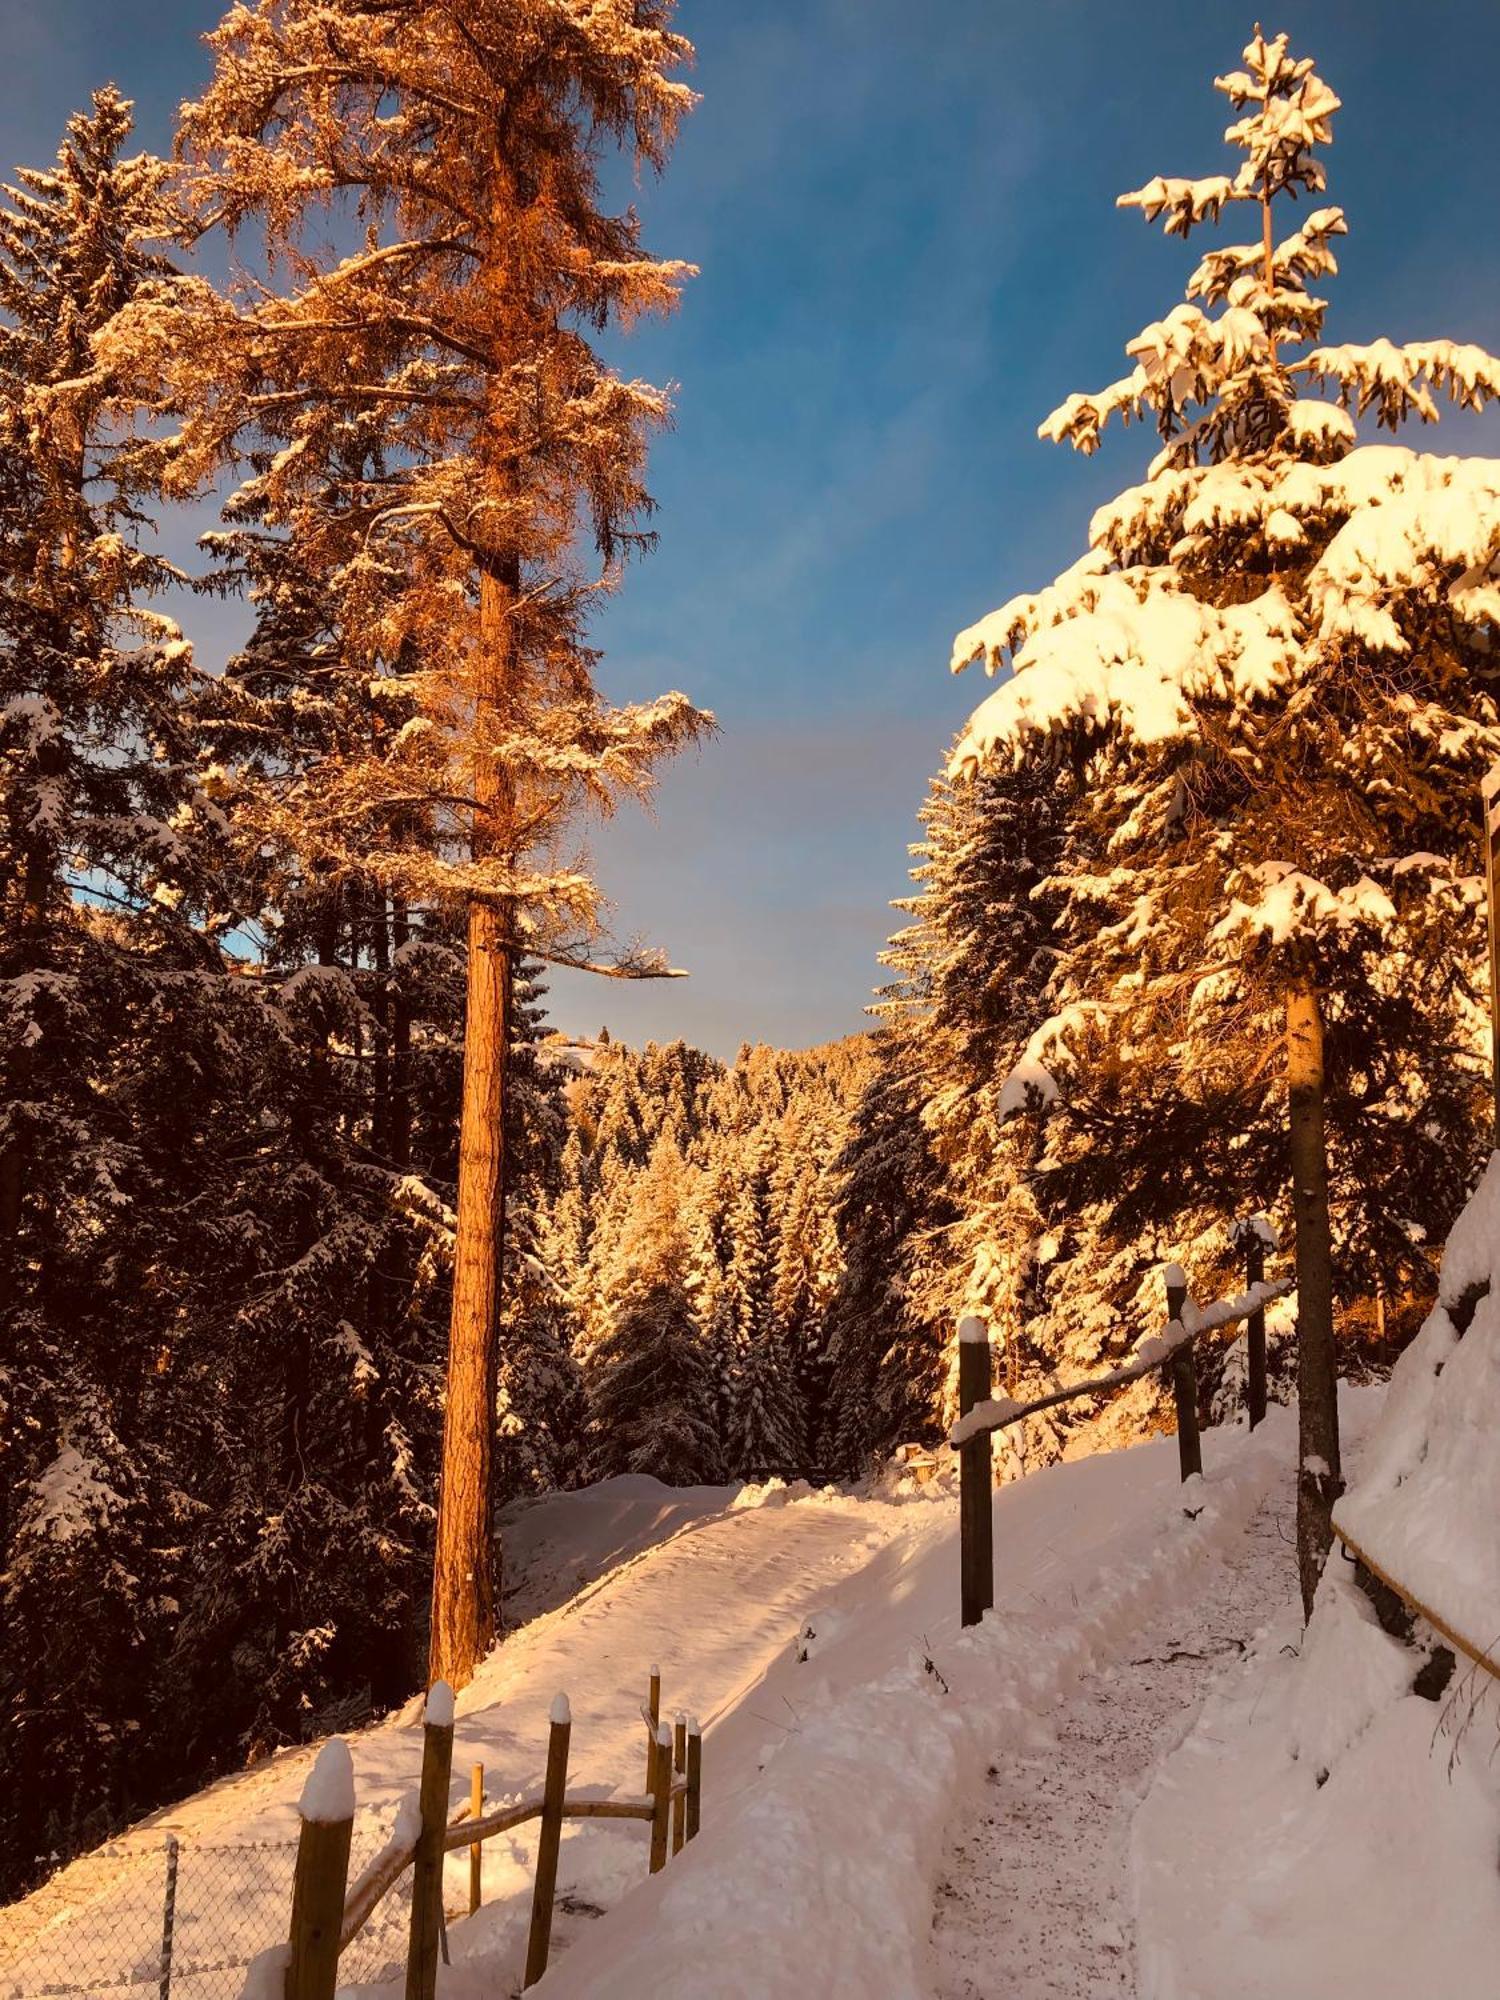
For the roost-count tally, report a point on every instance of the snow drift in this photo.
(1325, 1828)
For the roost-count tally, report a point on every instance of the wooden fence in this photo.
(328, 1912)
(981, 1414)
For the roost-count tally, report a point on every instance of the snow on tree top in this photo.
(1133, 650)
(70, 1498)
(1234, 366)
(1256, 1229)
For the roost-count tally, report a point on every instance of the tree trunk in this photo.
(463, 1590)
(401, 1084)
(1318, 1473)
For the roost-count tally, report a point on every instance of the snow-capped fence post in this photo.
(694, 1777)
(168, 1919)
(476, 1852)
(327, 1813)
(427, 1861)
(661, 1795)
(653, 1709)
(976, 1551)
(679, 1781)
(1184, 1377)
(1250, 1236)
(544, 1892)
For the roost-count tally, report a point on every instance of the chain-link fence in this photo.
(180, 1918)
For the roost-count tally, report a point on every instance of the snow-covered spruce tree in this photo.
(885, 1355)
(971, 978)
(108, 923)
(650, 1384)
(467, 150)
(761, 1142)
(764, 1422)
(805, 1270)
(95, 759)
(1276, 667)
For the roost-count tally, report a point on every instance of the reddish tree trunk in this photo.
(463, 1585)
(1319, 1482)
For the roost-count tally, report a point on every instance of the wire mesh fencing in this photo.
(181, 1919)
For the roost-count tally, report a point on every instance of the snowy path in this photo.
(833, 1763)
(1030, 1907)
(1034, 1900)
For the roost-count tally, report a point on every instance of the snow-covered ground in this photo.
(819, 1872)
(1326, 1829)
(797, 1626)
(866, 1763)
(1033, 1899)
(711, 1583)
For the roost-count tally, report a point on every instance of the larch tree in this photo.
(1275, 671)
(454, 157)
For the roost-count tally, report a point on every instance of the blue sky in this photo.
(910, 253)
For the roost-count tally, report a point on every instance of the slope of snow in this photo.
(848, 1723)
(1253, 1881)
(819, 1874)
(715, 1602)
(1425, 1510)
(1325, 1829)
(556, 1546)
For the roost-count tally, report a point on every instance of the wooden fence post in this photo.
(168, 1920)
(661, 1795)
(679, 1771)
(694, 1777)
(976, 1530)
(653, 1709)
(1184, 1379)
(539, 1943)
(326, 1809)
(1251, 1238)
(476, 1851)
(427, 1860)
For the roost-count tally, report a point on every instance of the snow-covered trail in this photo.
(1034, 1902)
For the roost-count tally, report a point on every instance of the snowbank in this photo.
(1425, 1507)
(1324, 1828)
